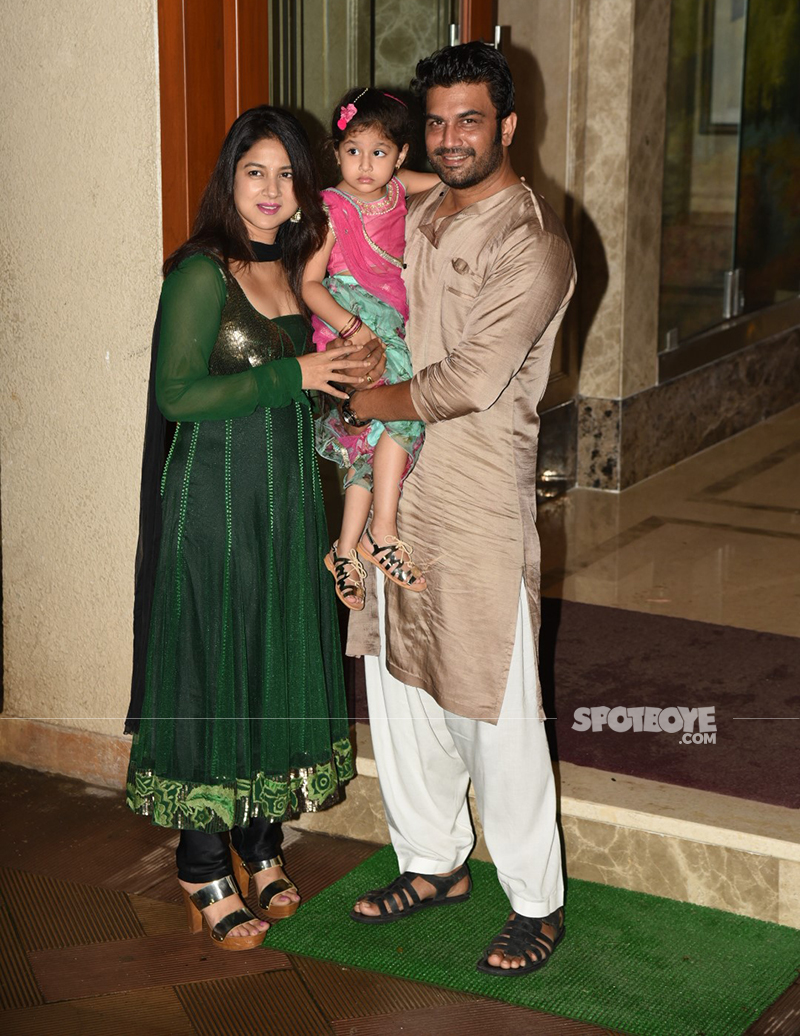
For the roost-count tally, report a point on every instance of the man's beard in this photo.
(472, 173)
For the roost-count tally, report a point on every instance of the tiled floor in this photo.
(95, 943)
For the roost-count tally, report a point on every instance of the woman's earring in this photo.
(296, 217)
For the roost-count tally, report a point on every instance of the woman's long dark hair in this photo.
(218, 228)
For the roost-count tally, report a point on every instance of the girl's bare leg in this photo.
(388, 466)
(357, 502)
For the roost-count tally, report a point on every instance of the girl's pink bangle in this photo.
(350, 331)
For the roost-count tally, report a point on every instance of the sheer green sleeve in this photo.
(192, 300)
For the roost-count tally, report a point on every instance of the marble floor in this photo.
(715, 538)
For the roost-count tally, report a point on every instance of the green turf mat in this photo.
(649, 966)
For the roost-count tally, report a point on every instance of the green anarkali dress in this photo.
(244, 708)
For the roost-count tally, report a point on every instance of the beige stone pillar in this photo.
(591, 79)
(627, 49)
(81, 251)
(625, 110)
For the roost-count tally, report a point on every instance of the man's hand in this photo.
(386, 403)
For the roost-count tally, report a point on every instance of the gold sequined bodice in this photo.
(247, 338)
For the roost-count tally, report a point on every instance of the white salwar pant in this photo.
(426, 756)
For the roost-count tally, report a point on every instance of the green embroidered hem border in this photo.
(219, 807)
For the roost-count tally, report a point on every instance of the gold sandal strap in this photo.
(276, 888)
(393, 561)
(230, 921)
(215, 891)
(254, 866)
(350, 559)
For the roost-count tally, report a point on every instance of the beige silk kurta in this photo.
(488, 288)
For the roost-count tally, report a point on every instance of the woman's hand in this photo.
(340, 363)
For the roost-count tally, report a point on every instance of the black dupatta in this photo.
(153, 457)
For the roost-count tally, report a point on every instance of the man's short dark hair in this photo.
(467, 63)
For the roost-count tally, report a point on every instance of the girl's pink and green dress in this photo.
(365, 277)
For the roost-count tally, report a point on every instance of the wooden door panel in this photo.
(253, 53)
(477, 20)
(205, 92)
(213, 64)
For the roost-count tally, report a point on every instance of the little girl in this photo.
(354, 288)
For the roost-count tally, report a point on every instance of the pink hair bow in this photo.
(345, 115)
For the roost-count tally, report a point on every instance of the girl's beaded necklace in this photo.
(380, 205)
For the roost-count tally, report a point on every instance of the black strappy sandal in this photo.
(521, 937)
(349, 585)
(394, 560)
(391, 910)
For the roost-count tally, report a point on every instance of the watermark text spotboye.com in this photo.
(698, 725)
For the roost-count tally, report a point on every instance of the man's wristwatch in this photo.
(350, 418)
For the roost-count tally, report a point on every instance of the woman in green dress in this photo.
(243, 720)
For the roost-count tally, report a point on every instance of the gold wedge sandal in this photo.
(268, 895)
(215, 891)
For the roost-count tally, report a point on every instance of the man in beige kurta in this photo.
(454, 693)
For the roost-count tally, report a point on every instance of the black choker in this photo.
(266, 253)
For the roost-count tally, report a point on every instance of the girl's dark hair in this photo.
(467, 63)
(374, 108)
(218, 228)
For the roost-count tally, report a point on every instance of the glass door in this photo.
(707, 45)
(321, 48)
(768, 216)
(731, 206)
